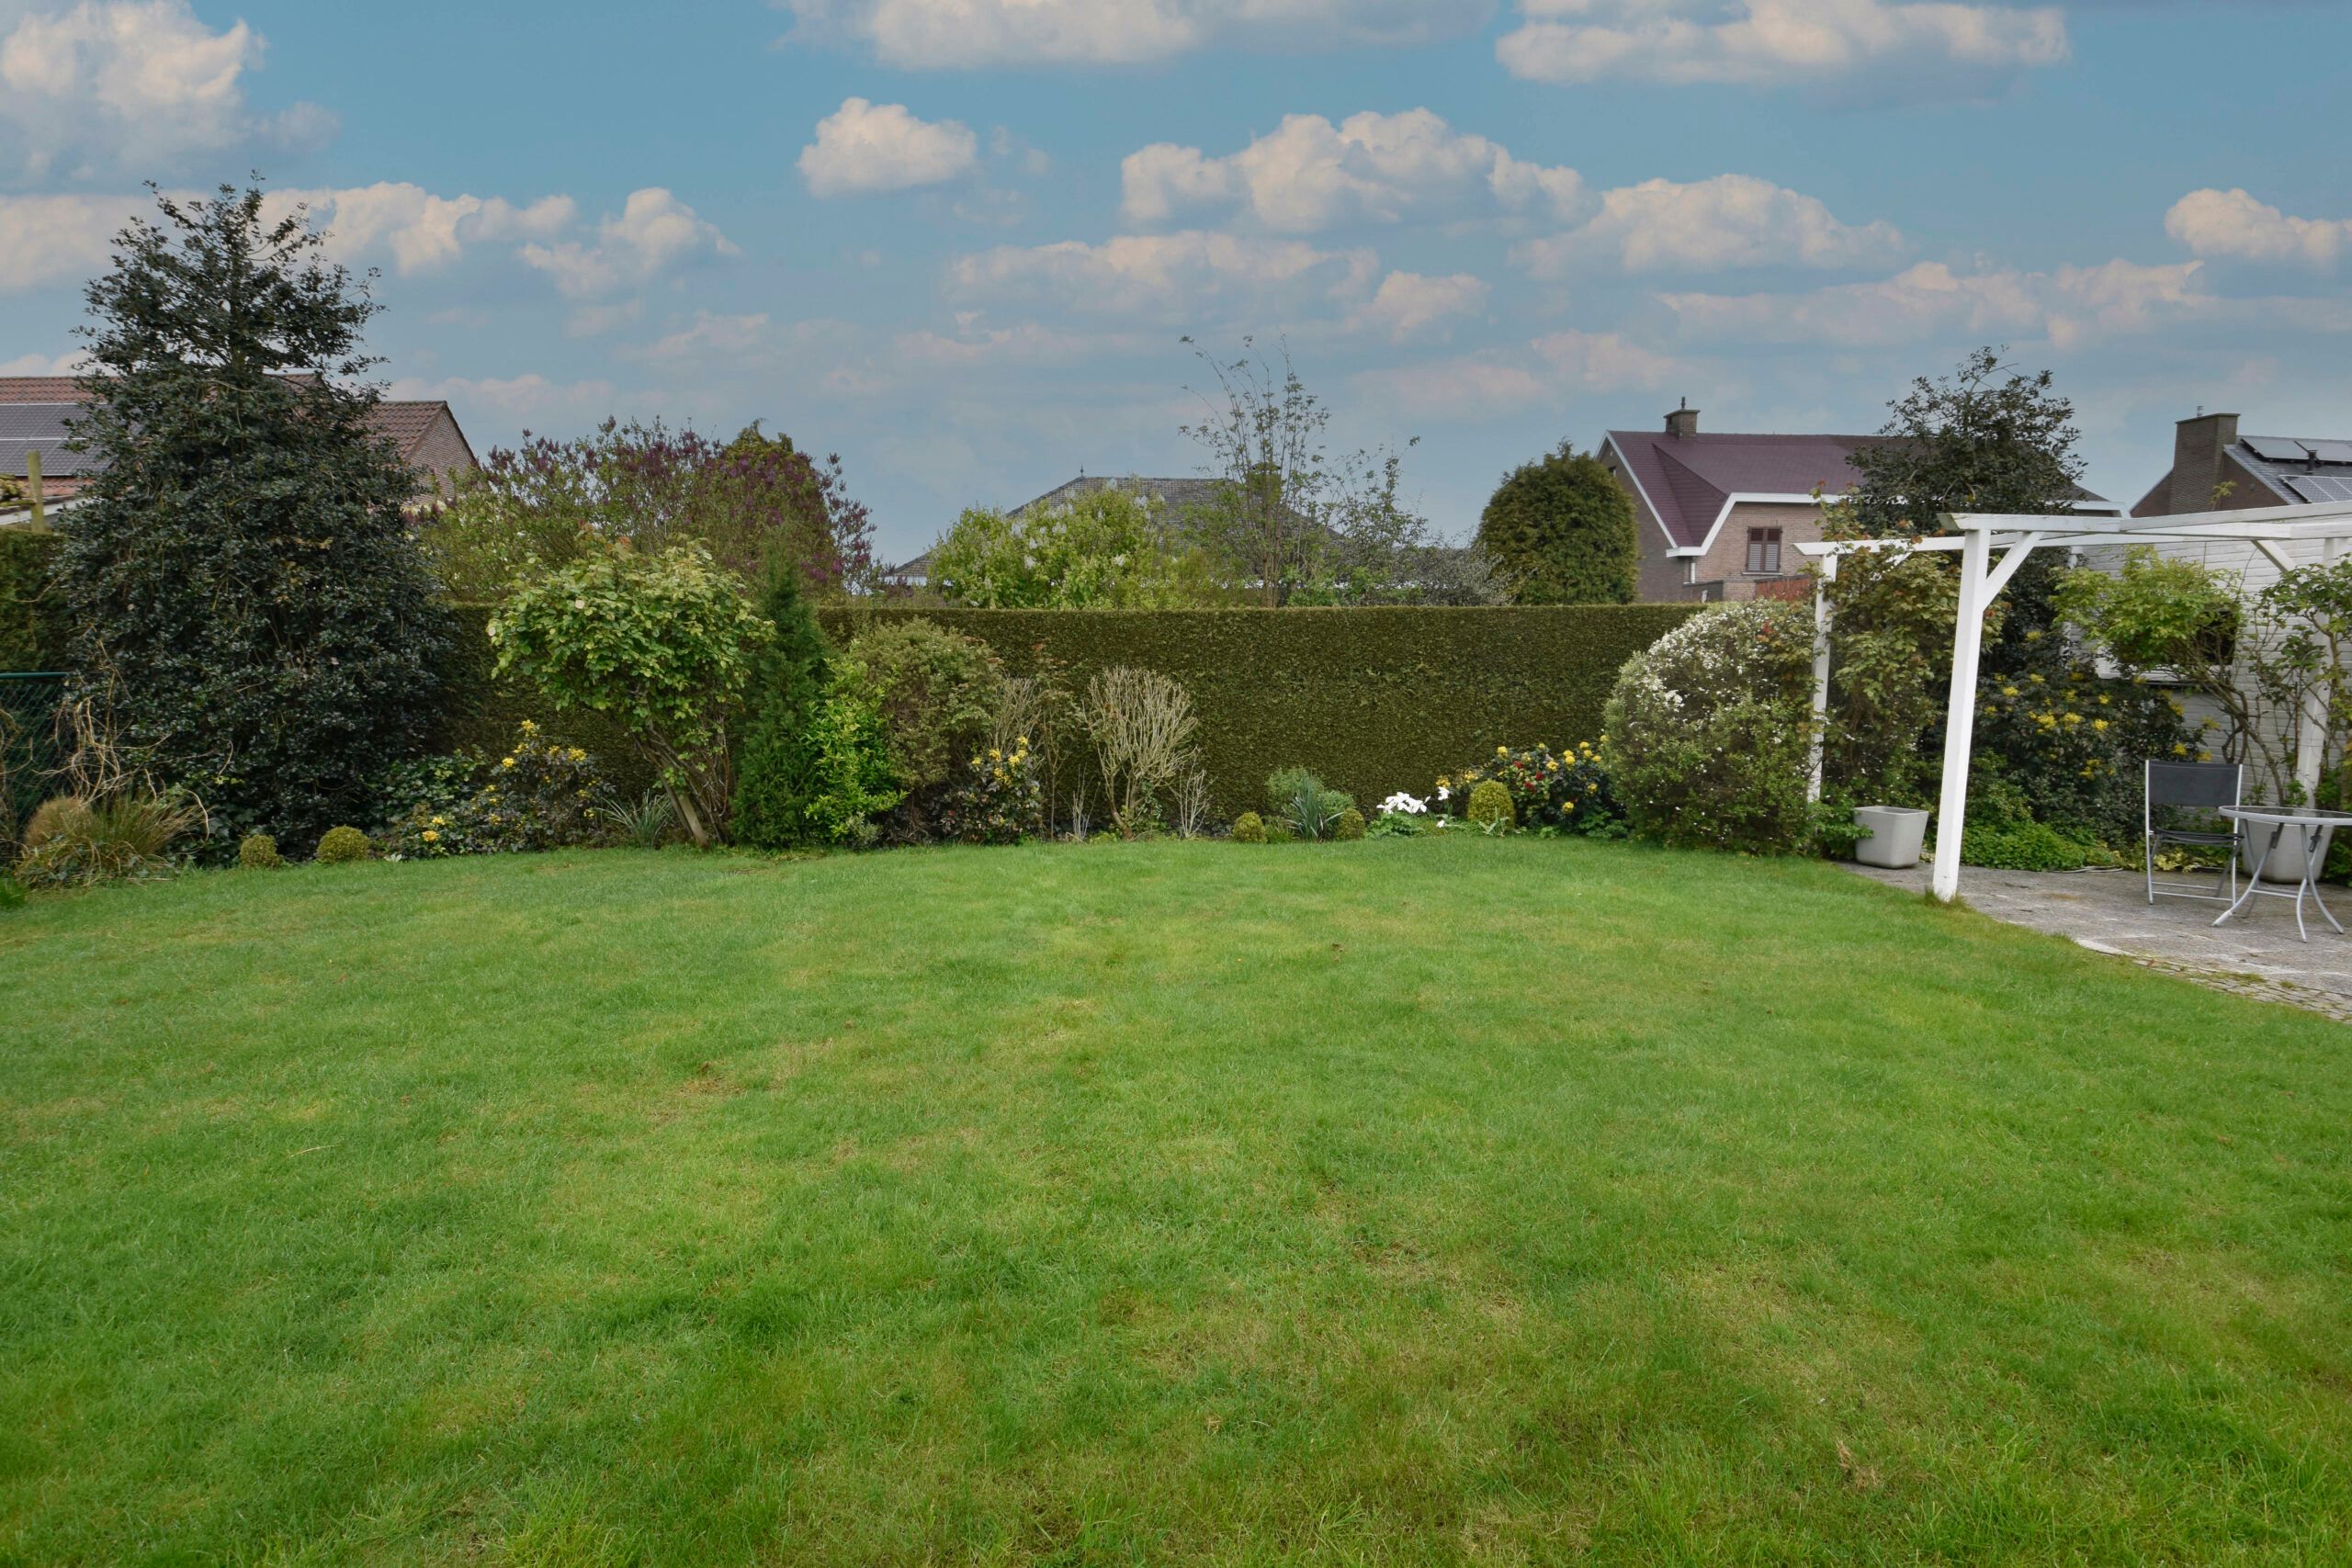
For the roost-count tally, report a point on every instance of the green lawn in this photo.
(1391, 1202)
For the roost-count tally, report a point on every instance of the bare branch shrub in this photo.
(1142, 725)
(1189, 811)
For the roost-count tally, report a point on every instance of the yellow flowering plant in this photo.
(536, 796)
(1564, 791)
(999, 800)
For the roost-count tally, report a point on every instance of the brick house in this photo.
(1721, 515)
(35, 413)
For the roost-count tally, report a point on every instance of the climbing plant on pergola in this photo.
(1991, 547)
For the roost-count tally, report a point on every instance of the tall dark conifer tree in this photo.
(775, 774)
(247, 594)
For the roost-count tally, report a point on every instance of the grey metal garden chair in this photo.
(2193, 793)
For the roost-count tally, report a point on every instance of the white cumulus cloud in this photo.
(1776, 42)
(130, 85)
(1309, 173)
(2233, 224)
(1543, 372)
(1167, 276)
(653, 232)
(863, 147)
(962, 34)
(59, 239)
(1730, 220)
(1408, 304)
(414, 229)
(2066, 305)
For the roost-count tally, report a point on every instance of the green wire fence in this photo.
(28, 703)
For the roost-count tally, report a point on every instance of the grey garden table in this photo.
(2269, 824)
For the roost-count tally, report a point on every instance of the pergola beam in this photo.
(1976, 536)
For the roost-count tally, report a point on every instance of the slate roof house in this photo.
(35, 411)
(2214, 468)
(1177, 496)
(1721, 515)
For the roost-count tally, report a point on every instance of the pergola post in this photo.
(2311, 736)
(1820, 670)
(1959, 714)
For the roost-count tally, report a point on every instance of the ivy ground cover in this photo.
(1410, 1200)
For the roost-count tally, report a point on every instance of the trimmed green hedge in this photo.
(1373, 700)
(32, 632)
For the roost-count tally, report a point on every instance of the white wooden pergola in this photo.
(1991, 547)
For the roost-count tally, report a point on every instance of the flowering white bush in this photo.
(1710, 731)
(1405, 804)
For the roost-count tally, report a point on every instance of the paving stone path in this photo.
(2257, 954)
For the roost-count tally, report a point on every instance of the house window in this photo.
(1763, 552)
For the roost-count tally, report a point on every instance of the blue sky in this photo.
(958, 240)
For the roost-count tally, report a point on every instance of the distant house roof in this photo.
(35, 411)
(1176, 495)
(1691, 481)
(2299, 469)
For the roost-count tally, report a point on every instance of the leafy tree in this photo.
(776, 773)
(938, 693)
(664, 645)
(1294, 524)
(247, 596)
(1986, 438)
(753, 503)
(1109, 548)
(1564, 530)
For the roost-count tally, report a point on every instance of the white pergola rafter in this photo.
(1979, 537)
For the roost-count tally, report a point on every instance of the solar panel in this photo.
(2317, 488)
(2331, 451)
(32, 422)
(2275, 449)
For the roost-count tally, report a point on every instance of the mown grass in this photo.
(1392, 1202)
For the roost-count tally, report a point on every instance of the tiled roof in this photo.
(40, 389)
(1689, 479)
(404, 424)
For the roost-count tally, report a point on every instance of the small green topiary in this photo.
(259, 852)
(1350, 826)
(1248, 828)
(341, 846)
(1490, 806)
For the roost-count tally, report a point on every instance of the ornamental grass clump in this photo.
(1709, 732)
(1304, 804)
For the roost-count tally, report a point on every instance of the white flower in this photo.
(1445, 793)
(1406, 805)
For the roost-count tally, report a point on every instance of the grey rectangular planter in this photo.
(1891, 835)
